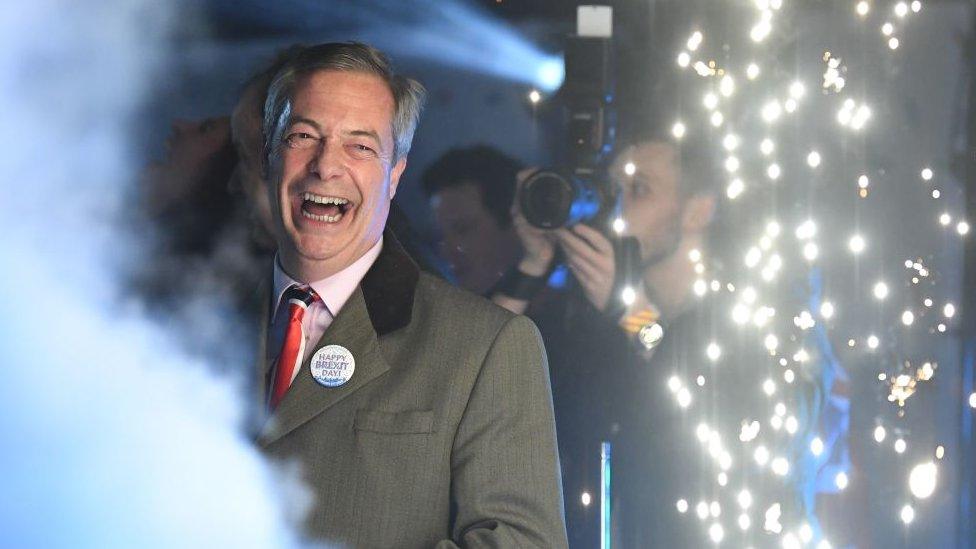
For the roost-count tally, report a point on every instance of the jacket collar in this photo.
(389, 286)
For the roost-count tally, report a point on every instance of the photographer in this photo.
(470, 191)
(607, 385)
(667, 204)
(612, 364)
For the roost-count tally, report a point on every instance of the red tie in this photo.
(293, 348)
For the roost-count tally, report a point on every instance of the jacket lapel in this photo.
(306, 398)
(382, 303)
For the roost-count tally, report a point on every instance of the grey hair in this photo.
(408, 94)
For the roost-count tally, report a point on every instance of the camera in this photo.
(580, 193)
(551, 199)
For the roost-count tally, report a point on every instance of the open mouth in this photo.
(326, 209)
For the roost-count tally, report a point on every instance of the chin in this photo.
(318, 248)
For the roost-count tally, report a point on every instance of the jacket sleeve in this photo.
(505, 483)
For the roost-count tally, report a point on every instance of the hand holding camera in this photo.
(590, 257)
(538, 245)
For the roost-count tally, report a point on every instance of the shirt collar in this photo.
(334, 290)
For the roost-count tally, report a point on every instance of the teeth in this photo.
(324, 218)
(325, 199)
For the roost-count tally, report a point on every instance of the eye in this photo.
(300, 140)
(362, 150)
(639, 187)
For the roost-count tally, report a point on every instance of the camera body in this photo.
(581, 192)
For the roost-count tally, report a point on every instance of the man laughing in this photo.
(421, 414)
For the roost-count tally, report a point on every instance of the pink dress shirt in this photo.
(334, 290)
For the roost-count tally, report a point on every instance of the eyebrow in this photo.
(355, 133)
(302, 120)
(366, 133)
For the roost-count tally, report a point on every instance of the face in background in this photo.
(192, 154)
(248, 177)
(334, 175)
(194, 141)
(652, 204)
(478, 249)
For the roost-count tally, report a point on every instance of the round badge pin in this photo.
(332, 365)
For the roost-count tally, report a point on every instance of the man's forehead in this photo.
(463, 190)
(364, 101)
(329, 83)
(647, 153)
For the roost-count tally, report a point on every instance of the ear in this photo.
(395, 174)
(698, 212)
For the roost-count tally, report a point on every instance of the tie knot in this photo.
(302, 297)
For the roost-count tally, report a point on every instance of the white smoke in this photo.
(112, 437)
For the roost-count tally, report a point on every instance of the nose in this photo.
(327, 162)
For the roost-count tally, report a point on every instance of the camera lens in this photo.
(551, 200)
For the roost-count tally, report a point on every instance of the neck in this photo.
(307, 270)
(670, 279)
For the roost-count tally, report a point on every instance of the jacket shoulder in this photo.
(444, 300)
